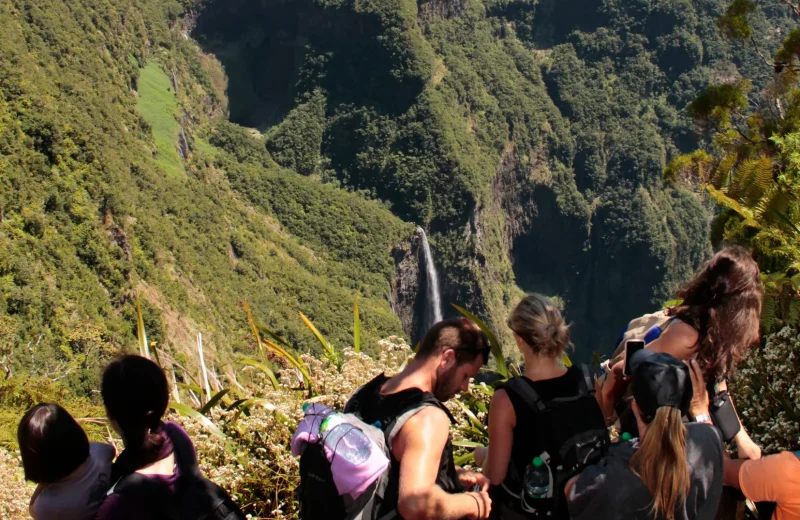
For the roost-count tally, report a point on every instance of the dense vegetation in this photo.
(750, 170)
(531, 145)
(119, 178)
(529, 138)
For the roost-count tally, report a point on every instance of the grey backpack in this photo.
(317, 493)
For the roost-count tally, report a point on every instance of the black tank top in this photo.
(534, 431)
(371, 406)
(531, 427)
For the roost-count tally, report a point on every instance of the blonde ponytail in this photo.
(661, 462)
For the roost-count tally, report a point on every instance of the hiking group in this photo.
(389, 454)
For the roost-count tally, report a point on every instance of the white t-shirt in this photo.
(78, 496)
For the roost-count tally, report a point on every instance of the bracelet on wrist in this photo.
(477, 503)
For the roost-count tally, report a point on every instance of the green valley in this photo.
(207, 158)
(202, 153)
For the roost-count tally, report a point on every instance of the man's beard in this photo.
(446, 386)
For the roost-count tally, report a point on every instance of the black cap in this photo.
(660, 380)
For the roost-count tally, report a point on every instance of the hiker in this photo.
(156, 476)
(673, 471)
(72, 473)
(424, 482)
(519, 431)
(715, 323)
(771, 482)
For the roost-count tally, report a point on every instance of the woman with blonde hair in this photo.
(545, 424)
(674, 470)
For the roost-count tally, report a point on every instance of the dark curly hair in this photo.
(723, 303)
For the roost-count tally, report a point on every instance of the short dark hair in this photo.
(136, 395)
(458, 334)
(51, 442)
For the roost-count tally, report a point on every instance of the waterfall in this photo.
(433, 304)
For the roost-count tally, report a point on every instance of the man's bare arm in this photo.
(419, 446)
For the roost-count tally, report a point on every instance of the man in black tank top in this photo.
(425, 483)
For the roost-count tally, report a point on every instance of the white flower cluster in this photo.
(766, 390)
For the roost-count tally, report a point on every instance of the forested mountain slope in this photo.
(99, 205)
(528, 138)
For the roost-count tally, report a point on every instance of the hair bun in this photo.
(538, 321)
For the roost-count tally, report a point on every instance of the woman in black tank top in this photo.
(517, 433)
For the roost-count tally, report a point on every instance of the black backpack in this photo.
(587, 442)
(317, 493)
(196, 497)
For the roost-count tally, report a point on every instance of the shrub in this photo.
(766, 391)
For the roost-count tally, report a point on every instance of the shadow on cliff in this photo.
(276, 50)
(604, 280)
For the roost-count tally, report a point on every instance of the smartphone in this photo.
(632, 346)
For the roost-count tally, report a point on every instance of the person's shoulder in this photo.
(704, 432)
(121, 507)
(598, 486)
(429, 416)
(102, 451)
(679, 329)
(704, 442)
(114, 507)
(429, 426)
(502, 405)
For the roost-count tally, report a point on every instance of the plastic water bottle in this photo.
(537, 480)
(345, 440)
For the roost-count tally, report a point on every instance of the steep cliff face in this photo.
(407, 289)
(529, 139)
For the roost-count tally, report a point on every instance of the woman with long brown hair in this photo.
(715, 323)
(673, 471)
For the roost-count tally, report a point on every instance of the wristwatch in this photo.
(703, 418)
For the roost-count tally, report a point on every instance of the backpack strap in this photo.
(393, 427)
(586, 384)
(531, 398)
(526, 392)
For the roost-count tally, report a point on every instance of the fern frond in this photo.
(741, 179)
(726, 201)
(794, 311)
(763, 178)
(754, 192)
(770, 198)
(788, 251)
(721, 175)
(768, 312)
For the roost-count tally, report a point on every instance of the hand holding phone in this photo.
(632, 346)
